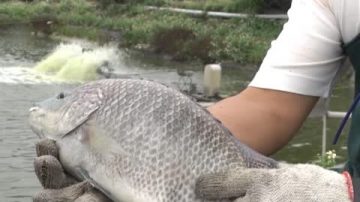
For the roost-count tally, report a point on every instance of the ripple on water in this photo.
(17, 151)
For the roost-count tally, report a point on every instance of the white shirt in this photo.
(307, 54)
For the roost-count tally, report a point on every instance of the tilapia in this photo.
(139, 140)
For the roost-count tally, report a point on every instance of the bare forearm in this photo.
(265, 120)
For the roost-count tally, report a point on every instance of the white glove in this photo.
(290, 183)
(58, 186)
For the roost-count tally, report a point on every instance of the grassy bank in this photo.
(178, 35)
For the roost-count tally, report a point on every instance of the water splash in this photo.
(68, 63)
(76, 62)
(90, 65)
(58, 58)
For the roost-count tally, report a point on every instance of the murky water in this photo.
(19, 88)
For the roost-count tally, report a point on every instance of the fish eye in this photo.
(61, 96)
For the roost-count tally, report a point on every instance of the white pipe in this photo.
(219, 14)
(335, 114)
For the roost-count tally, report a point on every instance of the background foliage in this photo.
(128, 23)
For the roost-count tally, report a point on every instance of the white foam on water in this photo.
(23, 75)
(298, 145)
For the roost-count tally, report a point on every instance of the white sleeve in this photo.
(306, 56)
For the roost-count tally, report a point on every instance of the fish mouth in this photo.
(33, 109)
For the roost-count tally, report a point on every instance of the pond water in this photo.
(20, 87)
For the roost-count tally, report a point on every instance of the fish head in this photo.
(59, 115)
(45, 116)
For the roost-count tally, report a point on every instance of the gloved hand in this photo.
(290, 183)
(58, 186)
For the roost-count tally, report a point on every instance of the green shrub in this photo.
(249, 6)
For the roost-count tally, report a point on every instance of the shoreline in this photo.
(178, 36)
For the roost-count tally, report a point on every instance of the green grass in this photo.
(18, 11)
(244, 41)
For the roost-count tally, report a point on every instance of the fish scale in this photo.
(141, 140)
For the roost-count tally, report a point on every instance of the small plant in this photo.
(328, 160)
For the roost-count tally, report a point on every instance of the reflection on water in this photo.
(20, 48)
(19, 52)
(309, 136)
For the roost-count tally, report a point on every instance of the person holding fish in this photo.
(298, 69)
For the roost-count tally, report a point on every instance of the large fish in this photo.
(138, 140)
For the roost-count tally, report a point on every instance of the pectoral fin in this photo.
(74, 117)
(85, 175)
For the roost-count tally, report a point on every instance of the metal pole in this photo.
(324, 134)
(329, 114)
